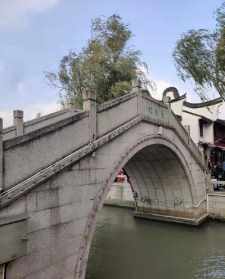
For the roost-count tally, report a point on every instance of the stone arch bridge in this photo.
(56, 170)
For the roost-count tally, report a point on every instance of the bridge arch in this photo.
(60, 192)
(159, 142)
(159, 192)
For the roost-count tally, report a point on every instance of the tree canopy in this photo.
(106, 66)
(200, 55)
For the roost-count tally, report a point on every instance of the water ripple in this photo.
(211, 267)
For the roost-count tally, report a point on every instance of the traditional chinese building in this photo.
(202, 122)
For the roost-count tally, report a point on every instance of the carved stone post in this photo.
(139, 97)
(160, 130)
(1, 155)
(90, 105)
(2, 271)
(18, 122)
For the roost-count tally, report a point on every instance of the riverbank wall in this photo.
(121, 195)
(216, 205)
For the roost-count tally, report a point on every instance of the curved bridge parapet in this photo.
(24, 156)
(55, 177)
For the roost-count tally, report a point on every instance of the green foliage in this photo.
(220, 48)
(200, 55)
(105, 66)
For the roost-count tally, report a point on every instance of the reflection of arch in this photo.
(145, 149)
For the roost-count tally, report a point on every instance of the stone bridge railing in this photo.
(37, 123)
(41, 143)
(160, 114)
(35, 155)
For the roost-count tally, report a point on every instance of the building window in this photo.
(201, 128)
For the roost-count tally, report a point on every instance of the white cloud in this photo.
(30, 112)
(13, 12)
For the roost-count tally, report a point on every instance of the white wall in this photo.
(216, 205)
(190, 118)
(208, 133)
(211, 112)
(193, 122)
(177, 107)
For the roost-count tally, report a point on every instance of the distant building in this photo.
(201, 120)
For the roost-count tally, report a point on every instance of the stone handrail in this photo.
(148, 109)
(186, 137)
(37, 123)
(144, 108)
(159, 113)
(21, 188)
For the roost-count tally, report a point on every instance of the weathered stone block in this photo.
(16, 208)
(43, 219)
(47, 199)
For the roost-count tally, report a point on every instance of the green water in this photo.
(129, 248)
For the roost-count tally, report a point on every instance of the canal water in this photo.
(127, 248)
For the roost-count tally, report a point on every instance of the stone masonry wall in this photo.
(62, 210)
(216, 205)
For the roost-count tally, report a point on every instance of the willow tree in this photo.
(200, 55)
(106, 65)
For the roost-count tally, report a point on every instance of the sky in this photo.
(36, 34)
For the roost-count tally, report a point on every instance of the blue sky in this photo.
(35, 34)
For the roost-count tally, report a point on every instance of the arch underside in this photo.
(162, 184)
(169, 182)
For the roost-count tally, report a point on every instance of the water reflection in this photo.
(124, 247)
(211, 267)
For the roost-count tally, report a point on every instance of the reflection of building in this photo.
(202, 123)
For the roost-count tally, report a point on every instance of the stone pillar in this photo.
(2, 271)
(18, 122)
(139, 97)
(169, 107)
(1, 155)
(160, 130)
(187, 129)
(90, 105)
(166, 100)
(38, 115)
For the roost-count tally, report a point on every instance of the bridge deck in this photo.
(56, 141)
